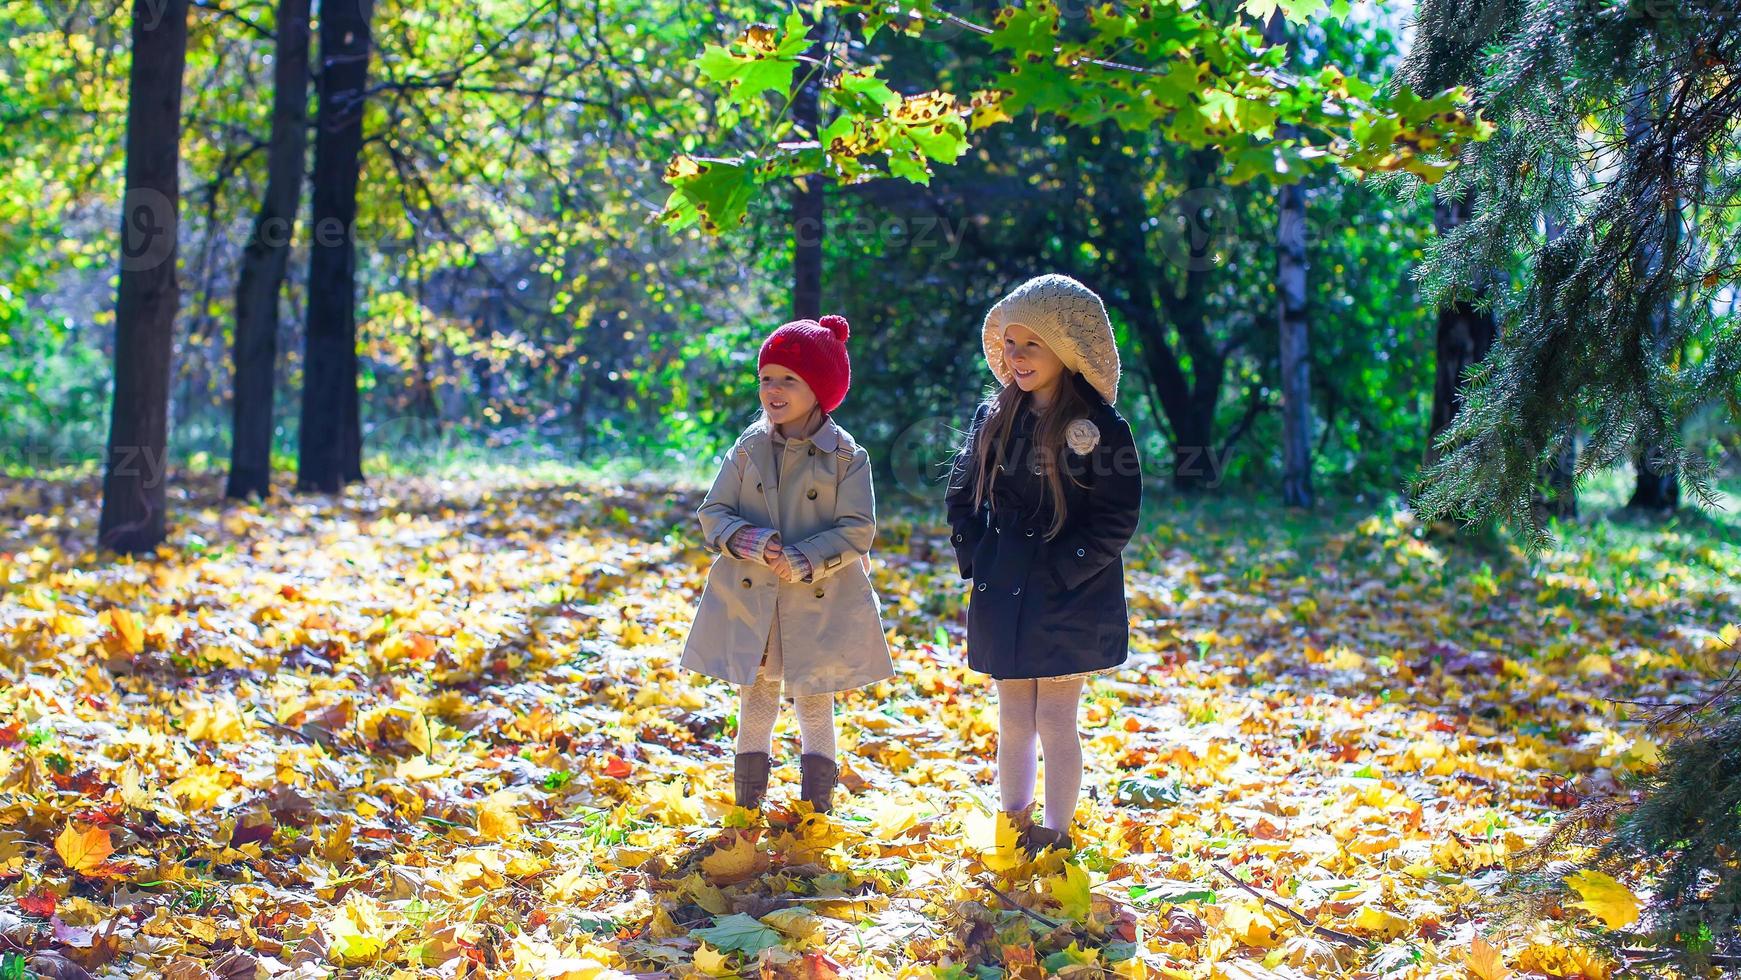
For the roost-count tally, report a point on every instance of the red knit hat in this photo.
(814, 350)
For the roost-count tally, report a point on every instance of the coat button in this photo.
(1080, 553)
(810, 494)
(958, 539)
(758, 488)
(980, 587)
(746, 583)
(1030, 532)
(1016, 591)
(812, 450)
(818, 593)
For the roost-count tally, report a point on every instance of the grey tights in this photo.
(1039, 716)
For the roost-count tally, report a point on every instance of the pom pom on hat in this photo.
(815, 351)
(838, 325)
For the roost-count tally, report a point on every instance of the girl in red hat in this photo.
(788, 607)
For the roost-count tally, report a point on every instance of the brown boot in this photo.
(817, 776)
(1040, 837)
(749, 778)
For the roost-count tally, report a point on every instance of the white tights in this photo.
(1035, 716)
(761, 705)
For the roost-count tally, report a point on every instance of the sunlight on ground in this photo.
(442, 724)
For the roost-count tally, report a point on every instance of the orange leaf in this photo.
(124, 636)
(41, 903)
(1484, 960)
(83, 850)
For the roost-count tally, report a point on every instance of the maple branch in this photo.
(1344, 938)
(1019, 907)
(1652, 956)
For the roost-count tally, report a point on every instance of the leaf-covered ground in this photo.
(438, 730)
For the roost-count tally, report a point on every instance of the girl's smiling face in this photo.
(1036, 367)
(785, 396)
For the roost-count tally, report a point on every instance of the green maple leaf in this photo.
(714, 192)
(738, 933)
(1300, 11)
(1071, 955)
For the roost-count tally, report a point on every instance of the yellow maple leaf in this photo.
(83, 850)
(217, 721)
(734, 861)
(419, 767)
(996, 839)
(124, 636)
(799, 923)
(1484, 961)
(1070, 891)
(417, 732)
(1380, 923)
(202, 786)
(712, 962)
(355, 935)
(499, 815)
(1604, 898)
(1558, 960)
(1252, 925)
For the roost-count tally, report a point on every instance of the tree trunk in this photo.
(329, 447)
(1464, 334)
(807, 216)
(265, 258)
(1196, 465)
(1295, 351)
(1148, 302)
(1295, 354)
(147, 295)
(1656, 486)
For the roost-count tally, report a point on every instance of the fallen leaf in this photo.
(83, 850)
(1484, 960)
(1604, 898)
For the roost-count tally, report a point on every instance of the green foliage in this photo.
(1169, 68)
(1689, 815)
(53, 390)
(1620, 126)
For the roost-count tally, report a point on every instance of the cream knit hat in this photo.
(1072, 321)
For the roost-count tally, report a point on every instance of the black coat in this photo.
(1043, 608)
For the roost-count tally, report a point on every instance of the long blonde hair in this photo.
(994, 434)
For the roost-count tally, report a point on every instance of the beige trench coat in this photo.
(823, 506)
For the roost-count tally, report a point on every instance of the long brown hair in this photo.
(991, 444)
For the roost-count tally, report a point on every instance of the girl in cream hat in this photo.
(1042, 499)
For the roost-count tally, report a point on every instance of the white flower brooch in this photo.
(1083, 436)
